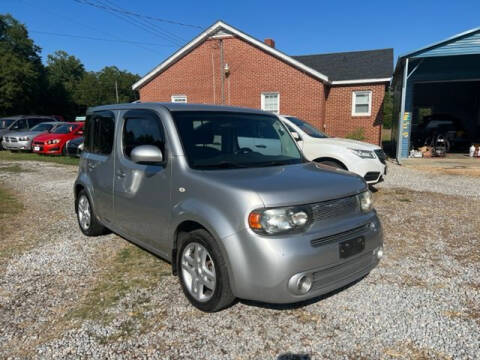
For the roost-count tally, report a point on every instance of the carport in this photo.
(438, 84)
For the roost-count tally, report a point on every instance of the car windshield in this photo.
(307, 128)
(42, 127)
(64, 129)
(222, 140)
(5, 123)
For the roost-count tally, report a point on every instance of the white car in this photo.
(364, 159)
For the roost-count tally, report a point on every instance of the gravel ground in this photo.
(401, 176)
(422, 302)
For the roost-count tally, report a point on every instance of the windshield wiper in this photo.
(222, 165)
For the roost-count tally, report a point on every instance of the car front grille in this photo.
(381, 156)
(38, 142)
(346, 235)
(12, 139)
(334, 208)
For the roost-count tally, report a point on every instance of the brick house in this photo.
(338, 93)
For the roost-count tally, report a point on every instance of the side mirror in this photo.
(296, 136)
(146, 154)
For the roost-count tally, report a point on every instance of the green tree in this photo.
(64, 73)
(388, 110)
(21, 70)
(98, 88)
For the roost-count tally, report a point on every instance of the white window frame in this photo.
(354, 102)
(277, 112)
(176, 98)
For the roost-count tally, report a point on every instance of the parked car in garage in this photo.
(364, 159)
(22, 140)
(21, 123)
(54, 142)
(75, 147)
(255, 221)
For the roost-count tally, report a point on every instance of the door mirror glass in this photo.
(146, 154)
(296, 136)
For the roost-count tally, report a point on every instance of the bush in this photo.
(357, 134)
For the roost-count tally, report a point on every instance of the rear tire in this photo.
(87, 220)
(200, 262)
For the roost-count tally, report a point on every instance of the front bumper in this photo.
(371, 170)
(18, 145)
(265, 266)
(53, 149)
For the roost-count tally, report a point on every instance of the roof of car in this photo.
(16, 117)
(175, 107)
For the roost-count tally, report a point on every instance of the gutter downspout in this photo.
(402, 111)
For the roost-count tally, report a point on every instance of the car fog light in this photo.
(304, 284)
(380, 252)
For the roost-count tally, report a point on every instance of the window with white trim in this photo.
(182, 99)
(271, 102)
(361, 103)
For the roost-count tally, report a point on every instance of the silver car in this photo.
(22, 140)
(225, 195)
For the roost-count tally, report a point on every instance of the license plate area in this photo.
(351, 247)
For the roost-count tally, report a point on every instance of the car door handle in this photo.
(121, 174)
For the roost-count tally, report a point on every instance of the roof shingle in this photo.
(353, 65)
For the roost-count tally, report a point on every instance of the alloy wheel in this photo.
(198, 271)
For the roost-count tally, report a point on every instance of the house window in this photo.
(179, 99)
(361, 103)
(271, 102)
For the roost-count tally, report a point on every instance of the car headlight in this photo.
(54, 141)
(366, 201)
(23, 138)
(364, 154)
(280, 220)
(80, 147)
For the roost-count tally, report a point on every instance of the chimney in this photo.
(269, 42)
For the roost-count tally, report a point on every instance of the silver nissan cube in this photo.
(225, 195)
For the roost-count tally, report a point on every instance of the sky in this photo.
(298, 27)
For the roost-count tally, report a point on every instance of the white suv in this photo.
(364, 159)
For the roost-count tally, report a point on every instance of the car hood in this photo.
(291, 184)
(25, 133)
(349, 143)
(49, 136)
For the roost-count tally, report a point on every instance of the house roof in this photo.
(220, 29)
(354, 65)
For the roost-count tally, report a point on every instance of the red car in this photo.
(54, 143)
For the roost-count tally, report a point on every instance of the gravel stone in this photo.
(422, 301)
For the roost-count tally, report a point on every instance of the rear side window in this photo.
(99, 132)
(142, 127)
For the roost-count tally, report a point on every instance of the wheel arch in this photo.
(327, 158)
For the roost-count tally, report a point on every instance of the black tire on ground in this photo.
(332, 163)
(95, 228)
(222, 296)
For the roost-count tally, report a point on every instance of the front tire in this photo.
(87, 220)
(203, 272)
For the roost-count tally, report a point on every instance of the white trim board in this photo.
(361, 81)
(211, 30)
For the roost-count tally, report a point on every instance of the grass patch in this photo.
(10, 206)
(131, 268)
(14, 169)
(24, 156)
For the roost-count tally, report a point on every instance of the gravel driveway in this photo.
(63, 295)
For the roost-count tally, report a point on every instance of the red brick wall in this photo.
(339, 120)
(252, 71)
